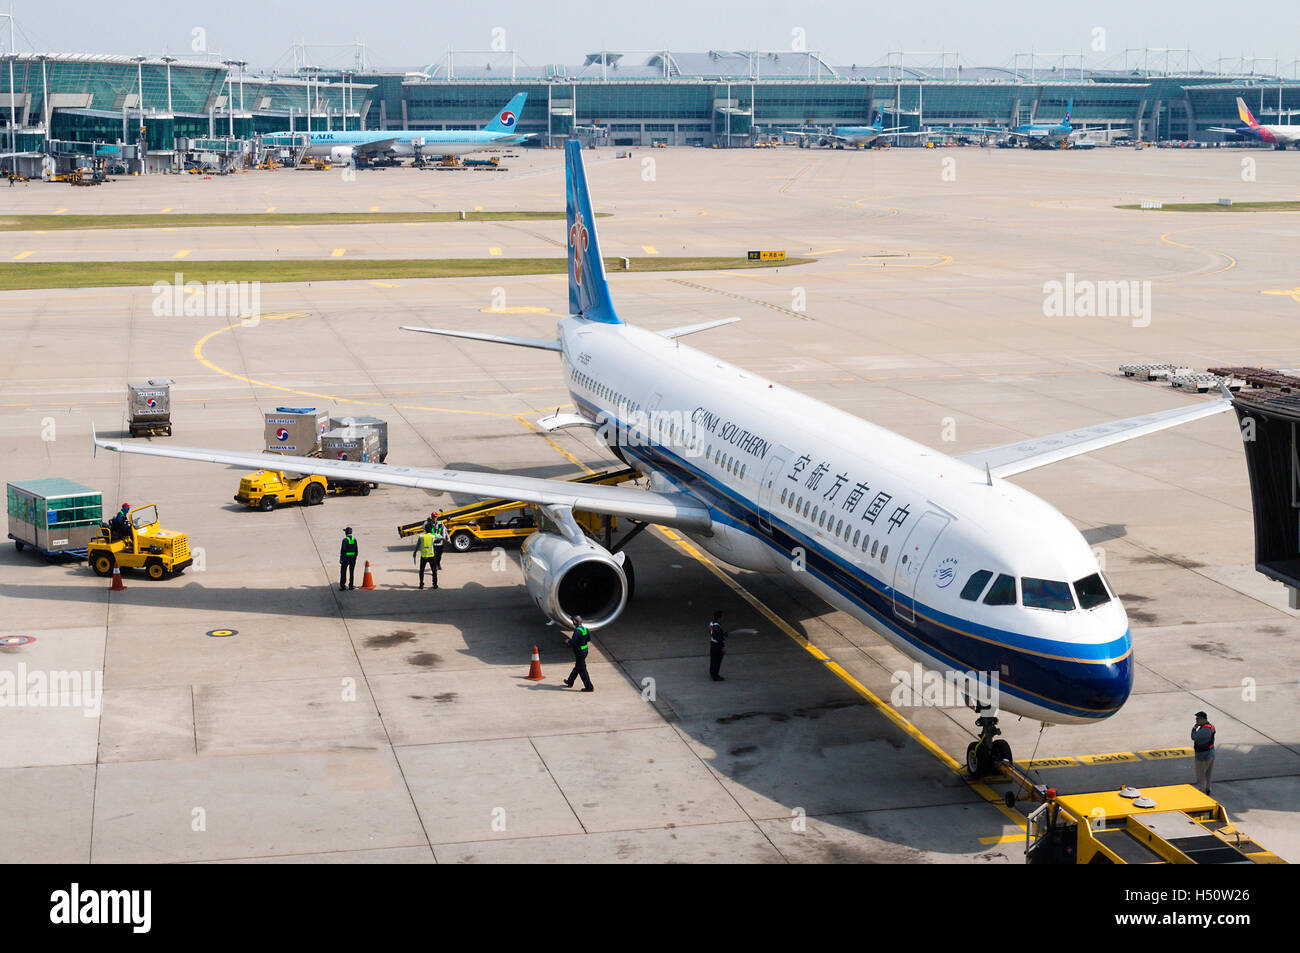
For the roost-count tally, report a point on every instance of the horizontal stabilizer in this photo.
(540, 343)
(686, 329)
(563, 422)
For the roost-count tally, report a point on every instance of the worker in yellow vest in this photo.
(439, 539)
(424, 549)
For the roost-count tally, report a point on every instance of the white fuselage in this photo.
(882, 527)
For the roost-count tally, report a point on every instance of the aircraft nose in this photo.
(1109, 685)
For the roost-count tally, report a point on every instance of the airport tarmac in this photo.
(396, 724)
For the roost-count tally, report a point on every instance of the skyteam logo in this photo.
(507, 118)
(282, 435)
(578, 240)
(945, 572)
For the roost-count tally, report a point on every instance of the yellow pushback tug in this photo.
(1169, 824)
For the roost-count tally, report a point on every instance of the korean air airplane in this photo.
(342, 148)
(956, 567)
(841, 136)
(1279, 136)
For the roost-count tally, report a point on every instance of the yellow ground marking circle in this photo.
(1232, 262)
(292, 315)
(222, 633)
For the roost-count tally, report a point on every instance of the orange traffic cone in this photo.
(535, 670)
(368, 581)
(116, 584)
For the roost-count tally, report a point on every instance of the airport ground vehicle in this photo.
(54, 516)
(1171, 824)
(146, 545)
(490, 522)
(266, 489)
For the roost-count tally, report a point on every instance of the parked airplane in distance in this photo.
(852, 136)
(983, 579)
(1280, 136)
(343, 148)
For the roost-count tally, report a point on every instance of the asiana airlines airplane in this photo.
(955, 566)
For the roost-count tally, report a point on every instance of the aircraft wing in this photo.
(377, 146)
(1220, 129)
(1012, 458)
(667, 509)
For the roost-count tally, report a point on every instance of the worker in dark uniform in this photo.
(717, 646)
(119, 527)
(439, 538)
(427, 555)
(348, 561)
(1203, 749)
(579, 642)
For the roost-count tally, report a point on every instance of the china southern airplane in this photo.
(342, 148)
(1280, 136)
(957, 568)
(841, 136)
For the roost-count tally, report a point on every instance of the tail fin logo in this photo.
(507, 118)
(578, 240)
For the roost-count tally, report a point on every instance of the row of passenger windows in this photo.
(838, 528)
(602, 390)
(725, 460)
(1051, 594)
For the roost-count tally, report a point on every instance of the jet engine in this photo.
(569, 576)
(342, 155)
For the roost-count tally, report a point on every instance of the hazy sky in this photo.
(402, 34)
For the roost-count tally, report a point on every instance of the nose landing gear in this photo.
(982, 756)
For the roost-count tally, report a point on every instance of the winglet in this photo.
(1224, 389)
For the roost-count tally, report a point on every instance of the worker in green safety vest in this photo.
(580, 641)
(426, 552)
(439, 538)
(348, 561)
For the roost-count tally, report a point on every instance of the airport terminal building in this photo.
(153, 109)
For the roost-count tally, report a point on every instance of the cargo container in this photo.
(372, 423)
(351, 443)
(53, 516)
(150, 406)
(295, 431)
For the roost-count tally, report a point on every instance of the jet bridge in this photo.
(1268, 409)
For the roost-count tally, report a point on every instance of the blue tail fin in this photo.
(508, 119)
(1069, 108)
(588, 289)
(878, 120)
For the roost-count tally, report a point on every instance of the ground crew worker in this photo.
(439, 538)
(120, 525)
(348, 561)
(424, 550)
(1203, 746)
(579, 642)
(717, 646)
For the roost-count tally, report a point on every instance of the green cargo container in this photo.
(53, 515)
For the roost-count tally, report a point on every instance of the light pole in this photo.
(169, 60)
(140, 140)
(230, 96)
(45, 96)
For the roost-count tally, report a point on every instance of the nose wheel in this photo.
(982, 756)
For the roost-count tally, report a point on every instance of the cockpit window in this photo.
(1046, 594)
(1091, 591)
(1002, 592)
(975, 584)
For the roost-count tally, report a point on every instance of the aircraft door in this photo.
(767, 486)
(912, 560)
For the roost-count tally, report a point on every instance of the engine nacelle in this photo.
(567, 578)
(342, 155)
